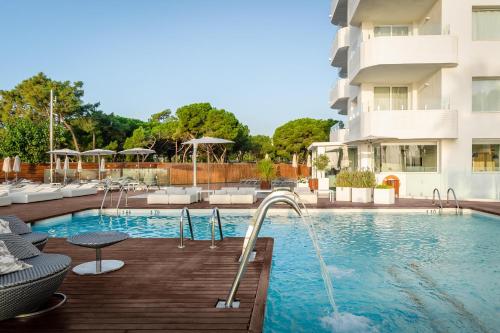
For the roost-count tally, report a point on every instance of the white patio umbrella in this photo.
(63, 152)
(144, 152)
(6, 167)
(266, 157)
(79, 168)
(208, 142)
(102, 166)
(66, 167)
(58, 163)
(309, 162)
(99, 153)
(295, 163)
(17, 165)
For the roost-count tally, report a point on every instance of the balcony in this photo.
(340, 48)
(404, 125)
(387, 11)
(338, 133)
(402, 59)
(338, 12)
(339, 96)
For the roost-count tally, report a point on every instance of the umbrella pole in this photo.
(195, 149)
(208, 164)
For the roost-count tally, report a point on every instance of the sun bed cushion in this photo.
(9, 263)
(78, 191)
(18, 247)
(43, 265)
(243, 198)
(42, 195)
(35, 237)
(219, 199)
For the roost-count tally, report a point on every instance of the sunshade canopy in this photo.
(64, 152)
(137, 151)
(207, 140)
(98, 152)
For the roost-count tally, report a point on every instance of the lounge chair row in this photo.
(29, 193)
(175, 196)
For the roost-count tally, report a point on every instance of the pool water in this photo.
(391, 272)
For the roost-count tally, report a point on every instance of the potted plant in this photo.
(384, 194)
(363, 183)
(266, 172)
(320, 163)
(343, 183)
(302, 182)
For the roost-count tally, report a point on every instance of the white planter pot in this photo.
(303, 185)
(384, 196)
(362, 195)
(343, 194)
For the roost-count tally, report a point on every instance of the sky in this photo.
(264, 60)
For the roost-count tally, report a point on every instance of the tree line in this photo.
(24, 127)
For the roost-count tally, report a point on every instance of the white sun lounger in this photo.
(70, 191)
(175, 197)
(35, 194)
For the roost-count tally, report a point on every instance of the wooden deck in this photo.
(160, 289)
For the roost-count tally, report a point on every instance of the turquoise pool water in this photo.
(391, 272)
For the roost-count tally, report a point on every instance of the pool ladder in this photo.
(185, 213)
(215, 217)
(260, 215)
(107, 189)
(458, 210)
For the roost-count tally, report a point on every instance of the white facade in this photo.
(410, 72)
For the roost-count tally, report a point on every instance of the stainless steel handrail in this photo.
(107, 188)
(123, 188)
(215, 215)
(260, 215)
(185, 212)
(457, 206)
(434, 199)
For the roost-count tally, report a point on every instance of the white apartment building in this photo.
(419, 84)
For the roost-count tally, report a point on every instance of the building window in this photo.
(485, 157)
(486, 24)
(486, 94)
(406, 158)
(391, 30)
(390, 98)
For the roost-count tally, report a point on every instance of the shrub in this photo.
(363, 179)
(321, 162)
(383, 186)
(343, 179)
(266, 170)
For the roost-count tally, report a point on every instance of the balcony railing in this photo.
(375, 56)
(406, 124)
(339, 95)
(339, 48)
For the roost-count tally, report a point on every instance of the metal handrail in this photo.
(260, 215)
(457, 206)
(107, 188)
(434, 199)
(185, 212)
(215, 215)
(123, 188)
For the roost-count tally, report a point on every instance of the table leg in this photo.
(98, 260)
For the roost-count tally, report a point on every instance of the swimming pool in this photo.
(391, 272)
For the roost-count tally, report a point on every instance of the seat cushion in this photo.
(35, 237)
(43, 265)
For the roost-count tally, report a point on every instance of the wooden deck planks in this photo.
(160, 288)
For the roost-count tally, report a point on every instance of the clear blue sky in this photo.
(264, 60)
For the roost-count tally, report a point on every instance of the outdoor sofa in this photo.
(174, 196)
(27, 290)
(230, 196)
(306, 196)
